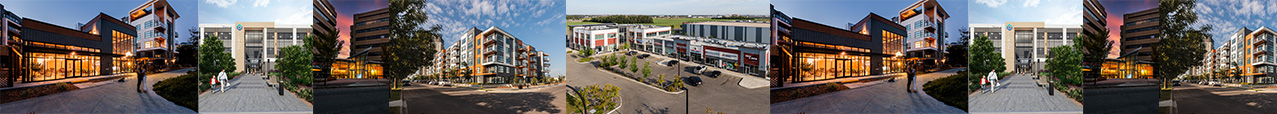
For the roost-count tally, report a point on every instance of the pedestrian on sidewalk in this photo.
(993, 80)
(912, 74)
(141, 78)
(221, 77)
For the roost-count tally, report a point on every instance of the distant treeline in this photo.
(575, 16)
(622, 19)
(734, 17)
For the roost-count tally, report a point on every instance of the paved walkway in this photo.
(889, 97)
(1020, 93)
(249, 93)
(114, 97)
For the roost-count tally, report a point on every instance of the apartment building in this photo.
(255, 45)
(491, 56)
(1026, 44)
(810, 51)
(1248, 52)
(925, 24)
(155, 41)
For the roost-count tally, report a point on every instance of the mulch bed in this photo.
(33, 92)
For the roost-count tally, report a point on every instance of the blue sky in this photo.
(838, 13)
(67, 13)
(1048, 11)
(1229, 16)
(668, 7)
(278, 11)
(537, 22)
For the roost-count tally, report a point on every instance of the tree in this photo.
(213, 57)
(294, 63)
(984, 58)
(407, 51)
(958, 53)
(1065, 63)
(1182, 45)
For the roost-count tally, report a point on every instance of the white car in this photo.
(700, 69)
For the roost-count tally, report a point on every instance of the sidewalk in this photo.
(111, 97)
(1111, 83)
(249, 93)
(747, 81)
(889, 97)
(72, 80)
(1020, 94)
(836, 80)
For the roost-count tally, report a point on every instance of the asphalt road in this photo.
(1201, 99)
(1122, 100)
(432, 99)
(352, 100)
(721, 94)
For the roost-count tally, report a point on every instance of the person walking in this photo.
(993, 80)
(221, 78)
(913, 76)
(141, 79)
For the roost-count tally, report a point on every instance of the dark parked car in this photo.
(643, 56)
(1176, 82)
(631, 53)
(694, 81)
(671, 62)
(713, 74)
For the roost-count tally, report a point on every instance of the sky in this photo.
(1116, 9)
(346, 10)
(667, 7)
(1227, 17)
(278, 11)
(838, 13)
(70, 12)
(1047, 11)
(537, 22)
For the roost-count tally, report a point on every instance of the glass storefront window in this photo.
(49, 66)
(819, 66)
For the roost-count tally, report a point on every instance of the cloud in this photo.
(299, 16)
(1031, 3)
(1071, 16)
(992, 3)
(261, 3)
(221, 3)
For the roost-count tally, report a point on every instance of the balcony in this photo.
(490, 51)
(487, 41)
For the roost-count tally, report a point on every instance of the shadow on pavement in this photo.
(434, 101)
(648, 109)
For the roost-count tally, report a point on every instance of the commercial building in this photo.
(1140, 32)
(737, 31)
(325, 17)
(1094, 19)
(810, 51)
(51, 52)
(490, 56)
(154, 43)
(925, 23)
(1025, 45)
(10, 47)
(255, 45)
(371, 31)
(1248, 52)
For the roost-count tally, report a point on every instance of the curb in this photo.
(645, 84)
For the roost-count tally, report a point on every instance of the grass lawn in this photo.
(949, 90)
(1164, 95)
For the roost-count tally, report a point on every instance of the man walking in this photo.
(993, 80)
(221, 77)
(141, 78)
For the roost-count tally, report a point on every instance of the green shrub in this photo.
(179, 90)
(949, 90)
